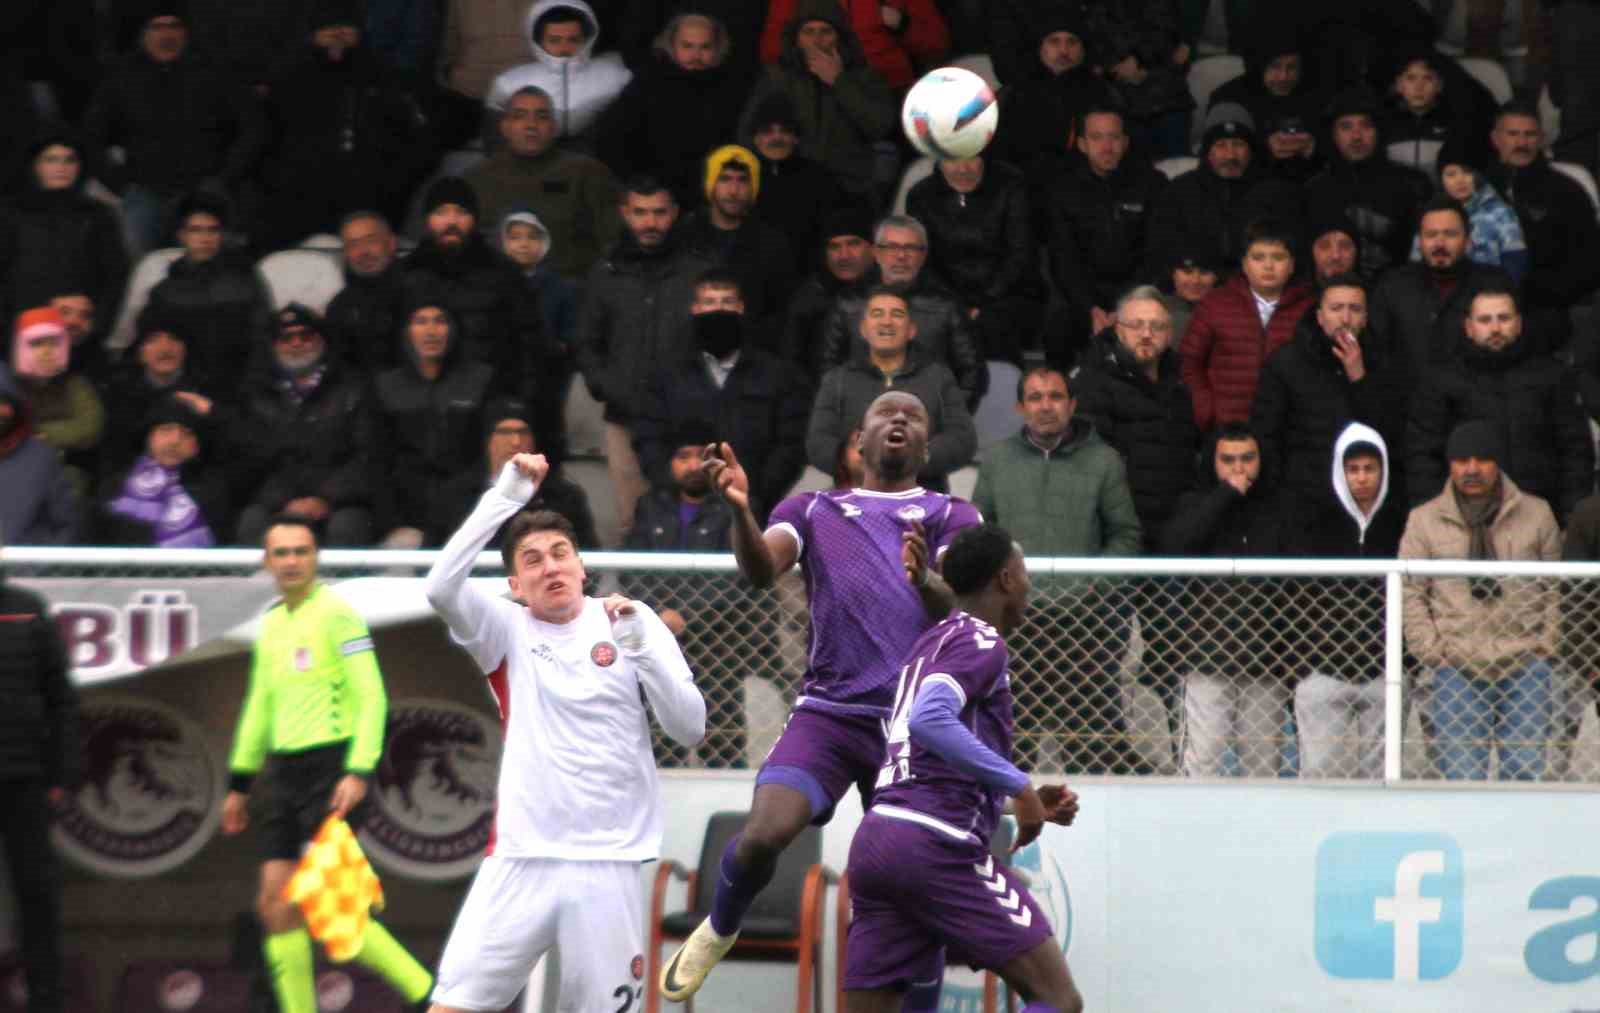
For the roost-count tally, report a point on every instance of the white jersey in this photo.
(577, 778)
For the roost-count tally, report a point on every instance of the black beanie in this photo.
(849, 220)
(450, 190)
(692, 432)
(501, 408)
(775, 108)
(1357, 100)
(1477, 438)
(300, 315)
(171, 408)
(1333, 223)
(328, 13)
(154, 319)
(1461, 151)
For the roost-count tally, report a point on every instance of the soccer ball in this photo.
(950, 113)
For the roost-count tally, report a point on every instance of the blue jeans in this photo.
(1471, 714)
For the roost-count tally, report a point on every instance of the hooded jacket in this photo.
(838, 124)
(1301, 108)
(921, 39)
(580, 86)
(1151, 424)
(1225, 347)
(944, 331)
(39, 505)
(1341, 619)
(980, 244)
(54, 242)
(1531, 399)
(1446, 623)
(797, 194)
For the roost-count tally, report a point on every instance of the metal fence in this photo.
(1267, 668)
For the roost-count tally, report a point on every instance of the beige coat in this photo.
(1445, 624)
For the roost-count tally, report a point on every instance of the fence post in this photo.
(1394, 675)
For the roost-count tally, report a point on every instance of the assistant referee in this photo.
(315, 708)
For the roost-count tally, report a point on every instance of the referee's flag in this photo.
(336, 890)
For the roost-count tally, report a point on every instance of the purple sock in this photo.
(1039, 1007)
(737, 887)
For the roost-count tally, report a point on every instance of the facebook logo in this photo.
(1389, 906)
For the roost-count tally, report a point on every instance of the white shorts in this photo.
(518, 908)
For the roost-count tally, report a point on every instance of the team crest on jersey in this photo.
(603, 654)
(911, 513)
(637, 967)
(302, 659)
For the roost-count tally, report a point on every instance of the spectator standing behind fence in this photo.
(40, 762)
(38, 505)
(1339, 644)
(303, 437)
(1529, 397)
(213, 144)
(1061, 490)
(1240, 324)
(889, 358)
(363, 318)
(1234, 691)
(174, 495)
(748, 397)
(1486, 644)
(844, 266)
(562, 35)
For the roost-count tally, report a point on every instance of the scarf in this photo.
(1479, 515)
(155, 495)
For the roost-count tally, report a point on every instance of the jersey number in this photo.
(899, 738)
(629, 995)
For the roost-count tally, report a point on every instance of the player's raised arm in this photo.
(668, 684)
(762, 556)
(446, 586)
(937, 598)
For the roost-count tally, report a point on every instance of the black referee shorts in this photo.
(293, 799)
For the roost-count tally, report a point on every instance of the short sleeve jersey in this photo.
(969, 656)
(865, 615)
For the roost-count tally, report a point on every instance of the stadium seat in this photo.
(981, 65)
(1174, 167)
(590, 475)
(1206, 75)
(996, 416)
(1490, 74)
(309, 277)
(784, 923)
(1582, 177)
(1549, 118)
(915, 173)
(152, 268)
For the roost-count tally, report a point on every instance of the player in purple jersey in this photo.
(869, 558)
(922, 879)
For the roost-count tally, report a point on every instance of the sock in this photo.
(922, 997)
(1039, 1007)
(737, 886)
(383, 954)
(289, 961)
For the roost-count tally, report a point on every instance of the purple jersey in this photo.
(865, 615)
(968, 655)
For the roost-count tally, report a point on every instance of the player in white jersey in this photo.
(578, 808)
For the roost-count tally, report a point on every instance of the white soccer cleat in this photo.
(687, 970)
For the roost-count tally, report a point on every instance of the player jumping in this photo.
(922, 880)
(865, 556)
(578, 806)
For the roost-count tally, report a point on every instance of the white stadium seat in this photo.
(981, 65)
(1206, 75)
(147, 275)
(1491, 75)
(915, 173)
(1549, 117)
(1172, 168)
(309, 277)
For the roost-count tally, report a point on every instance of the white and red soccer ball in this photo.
(950, 113)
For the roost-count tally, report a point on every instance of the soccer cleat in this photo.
(687, 970)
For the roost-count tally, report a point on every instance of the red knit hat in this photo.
(37, 321)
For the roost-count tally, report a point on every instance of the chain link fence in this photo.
(1193, 668)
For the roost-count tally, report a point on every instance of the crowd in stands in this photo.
(649, 220)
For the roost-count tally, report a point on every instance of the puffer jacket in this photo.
(581, 86)
(1225, 347)
(839, 124)
(39, 731)
(1151, 424)
(1532, 401)
(224, 308)
(1485, 627)
(634, 320)
(362, 319)
(980, 244)
(944, 331)
(1098, 231)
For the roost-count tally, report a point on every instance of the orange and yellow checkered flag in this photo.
(336, 889)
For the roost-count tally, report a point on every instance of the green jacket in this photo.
(575, 196)
(1072, 501)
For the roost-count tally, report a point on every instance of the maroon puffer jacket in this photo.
(1225, 347)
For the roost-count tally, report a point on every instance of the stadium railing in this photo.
(1138, 666)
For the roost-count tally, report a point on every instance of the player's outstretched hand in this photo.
(1030, 811)
(728, 478)
(347, 794)
(235, 814)
(914, 553)
(627, 623)
(1060, 803)
(532, 466)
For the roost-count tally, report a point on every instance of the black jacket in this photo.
(1098, 231)
(635, 320)
(320, 446)
(756, 252)
(1558, 222)
(556, 493)
(128, 397)
(1202, 210)
(39, 730)
(656, 525)
(1530, 397)
(180, 123)
(796, 195)
(804, 320)
(1036, 108)
(1303, 109)
(497, 311)
(981, 244)
(944, 331)
(1303, 402)
(762, 410)
(224, 308)
(1419, 323)
(1378, 196)
(364, 317)
(1150, 424)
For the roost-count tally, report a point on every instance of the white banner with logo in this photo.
(1195, 897)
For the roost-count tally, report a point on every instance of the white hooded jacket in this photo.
(1357, 432)
(581, 86)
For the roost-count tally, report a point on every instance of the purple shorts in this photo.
(917, 893)
(821, 754)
